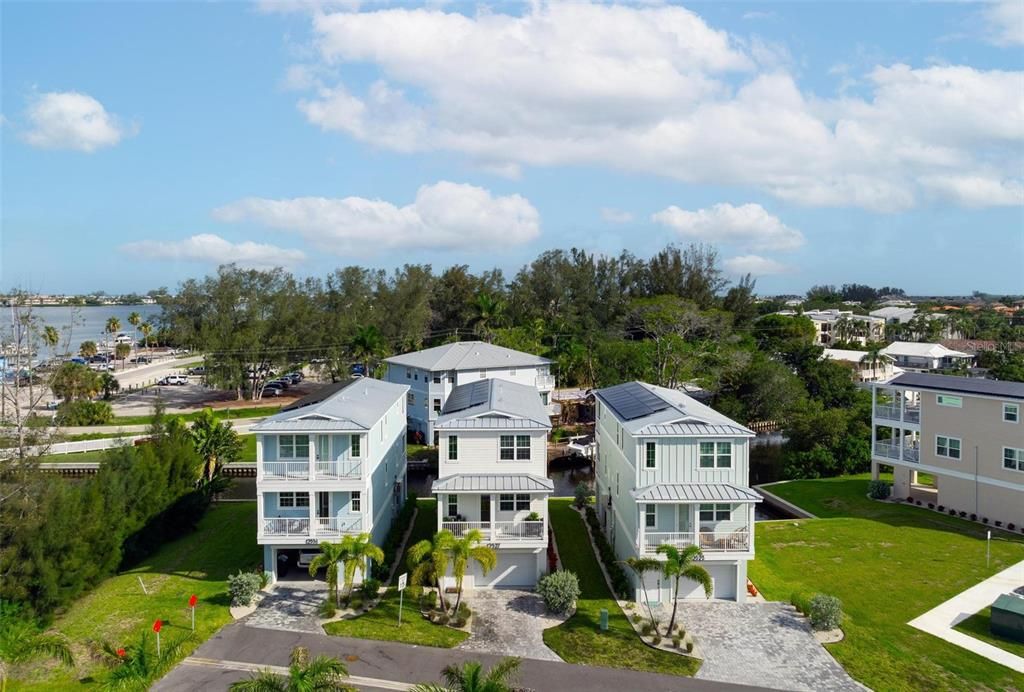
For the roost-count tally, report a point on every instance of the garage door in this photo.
(513, 569)
(723, 578)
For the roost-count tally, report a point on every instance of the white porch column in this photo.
(312, 513)
(642, 523)
(751, 523)
(312, 460)
(494, 513)
(259, 514)
(259, 458)
(903, 407)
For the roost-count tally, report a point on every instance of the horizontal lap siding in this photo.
(678, 461)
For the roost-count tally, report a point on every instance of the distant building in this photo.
(865, 327)
(861, 371)
(920, 357)
(895, 315)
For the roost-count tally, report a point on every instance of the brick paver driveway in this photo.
(509, 622)
(764, 644)
(290, 606)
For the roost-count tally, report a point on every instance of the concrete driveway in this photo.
(765, 644)
(291, 606)
(509, 622)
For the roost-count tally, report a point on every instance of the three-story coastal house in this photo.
(671, 470)
(330, 464)
(492, 476)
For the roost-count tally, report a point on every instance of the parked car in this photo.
(282, 383)
(272, 390)
(198, 370)
(173, 380)
(100, 358)
(103, 367)
(294, 377)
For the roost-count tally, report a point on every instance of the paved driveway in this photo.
(764, 644)
(291, 606)
(509, 622)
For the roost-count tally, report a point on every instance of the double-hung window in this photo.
(453, 505)
(522, 502)
(293, 446)
(1013, 459)
(507, 503)
(715, 512)
(522, 447)
(650, 516)
(357, 446)
(650, 455)
(437, 378)
(1011, 413)
(716, 455)
(453, 447)
(437, 406)
(357, 501)
(286, 500)
(410, 399)
(507, 447)
(948, 447)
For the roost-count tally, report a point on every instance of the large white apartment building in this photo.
(672, 470)
(330, 464)
(828, 326)
(492, 476)
(432, 374)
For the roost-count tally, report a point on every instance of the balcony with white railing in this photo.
(339, 470)
(545, 381)
(286, 470)
(887, 411)
(499, 531)
(299, 470)
(891, 450)
(737, 541)
(304, 527)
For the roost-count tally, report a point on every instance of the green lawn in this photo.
(248, 448)
(76, 458)
(220, 413)
(382, 621)
(977, 626)
(888, 563)
(580, 639)
(118, 611)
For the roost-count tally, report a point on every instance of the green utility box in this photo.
(1008, 617)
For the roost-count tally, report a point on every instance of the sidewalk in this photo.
(939, 621)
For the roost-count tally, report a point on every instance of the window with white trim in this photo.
(437, 378)
(947, 400)
(357, 501)
(715, 455)
(650, 516)
(357, 446)
(650, 455)
(287, 500)
(437, 406)
(716, 512)
(507, 447)
(1011, 413)
(522, 447)
(483, 374)
(507, 503)
(453, 447)
(453, 505)
(522, 502)
(1013, 459)
(948, 447)
(293, 446)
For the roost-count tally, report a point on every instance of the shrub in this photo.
(370, 588)
(656, 640)
(998, 523)
(689, 647)
(532, 516)
(952, 512)
(428, 601)
(443, 619)
(878, 490)
(620, 582)
(962, 514)
(84, 413)
(675, 641)
(826, 612)
(931, 505)
(355, 603)
(327, 608)
(636, 618)
(647, 628)
(984, 520)
(243, 587)
(1011, 526)
(581, 495)
(800, 602)
(559, 590)
(910, 499)
(942, 508)
(917, 502)
(974, 517)
(462, 615)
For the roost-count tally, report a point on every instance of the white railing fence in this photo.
(709, 541)
(498, 530)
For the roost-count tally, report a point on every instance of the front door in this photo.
(485, 508)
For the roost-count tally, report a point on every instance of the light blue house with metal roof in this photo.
(331, 464)
(671, 470)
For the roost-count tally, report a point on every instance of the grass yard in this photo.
(888, 563)
(219, 413)
(579, 639)
(248, 448)
(118, 611)
(76, 458)
(977, 626)
(382, 622)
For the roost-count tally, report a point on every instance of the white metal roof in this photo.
(500, 404)
(357, 406)
(695, 492)
(493, 482)
(843, 354)
(901, 315)
(693, 429)
(683, 417)
(467, 355)
(916, 350)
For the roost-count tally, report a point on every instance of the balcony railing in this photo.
(912, 415)
(887, 412)
(323, 527)
(329, 470)
(892, 451)
(709, 541)
(498, 530)
(286, 470)
(545, 381)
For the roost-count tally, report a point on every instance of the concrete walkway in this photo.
(940, 620)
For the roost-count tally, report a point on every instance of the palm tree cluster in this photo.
(429, 560)
(351, 553)
(677, 565)
(305, 674)
(471, 677)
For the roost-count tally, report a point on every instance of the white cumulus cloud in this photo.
(72, 120)
(210, 248)
(1005, 19)
(444, 215)
(746, 225)
(977, 190)
(756, 265)
(656, 89)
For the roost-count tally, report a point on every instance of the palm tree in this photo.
(844, 328)
(321, 674)
(366, 344)
(469, 547)
(358, 549)
(113, 326)
(121, 352)
(874, 357)
(137, 666)
(329, 556)
(21, 641)
(109, 385)
(428, 561)
(87, 349)
(216, 442)
(680, 565)
(641, 566)
(489, 310)
(146, 329)
(135, 319)
(51, 337)
(471, 677)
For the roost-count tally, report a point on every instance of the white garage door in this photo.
(513, 569)
(724, 582)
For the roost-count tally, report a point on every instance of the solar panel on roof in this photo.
(467, 396)
(632, 400)
(318, 396)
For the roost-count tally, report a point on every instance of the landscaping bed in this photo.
(888, 563)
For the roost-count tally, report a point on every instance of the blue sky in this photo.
(144, 143)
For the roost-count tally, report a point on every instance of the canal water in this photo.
(81, 323)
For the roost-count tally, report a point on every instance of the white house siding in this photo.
(677, 461)
(479, 452)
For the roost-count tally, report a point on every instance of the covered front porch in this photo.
(505, 508)
(717, 518)
(295, 516)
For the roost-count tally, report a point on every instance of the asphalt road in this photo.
(222, 660)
